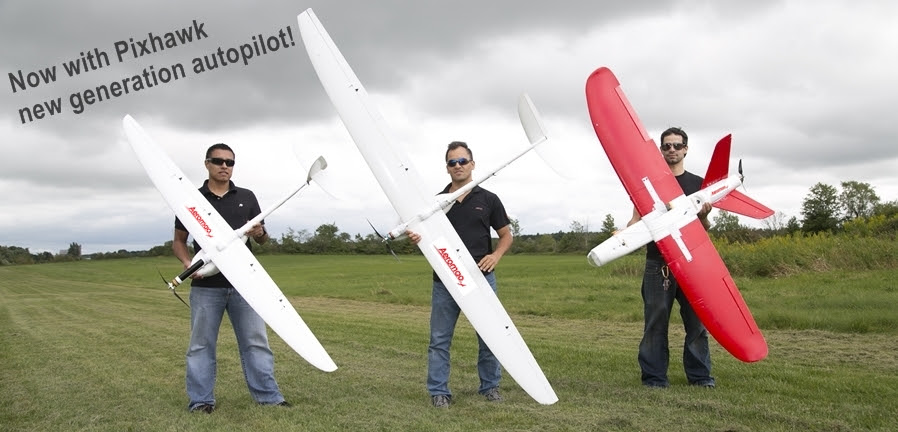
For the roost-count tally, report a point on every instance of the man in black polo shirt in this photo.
(472, 216)
(211, 296)
(659, 289)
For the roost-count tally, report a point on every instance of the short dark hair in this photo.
(219, 146)
(674, 131)
(456, 144)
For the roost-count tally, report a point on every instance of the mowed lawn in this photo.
(99, 345)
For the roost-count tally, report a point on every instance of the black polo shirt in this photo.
(237, 207)
(473, 218)
(690, 184)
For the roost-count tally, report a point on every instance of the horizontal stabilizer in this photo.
(628, 240)
(738, 202)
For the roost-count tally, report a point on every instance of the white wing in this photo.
(225, 248)
(402, 185)
(457, 270)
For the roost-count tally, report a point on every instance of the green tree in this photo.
(793, 226)
(725, 222)
(546, 244)
(515, 227)
(15, 255)
(887, 209)
(820, 209)
(858, 199)
(608, 226)
(327, 240)
(575, 240)
(74, 251)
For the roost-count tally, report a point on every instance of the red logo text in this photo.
(199, 218)
(451, 265)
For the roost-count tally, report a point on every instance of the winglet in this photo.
(530, 120)
(536, 134)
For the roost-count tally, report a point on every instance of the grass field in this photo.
(100, 346)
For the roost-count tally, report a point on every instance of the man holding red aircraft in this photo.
(659, 289)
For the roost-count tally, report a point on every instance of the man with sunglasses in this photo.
(212, 295)
(472, 216)
(659, 289)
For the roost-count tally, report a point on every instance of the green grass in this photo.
(100, 346)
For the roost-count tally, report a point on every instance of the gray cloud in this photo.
(806, 101)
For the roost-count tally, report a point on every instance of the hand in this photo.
(488, 263)
(706, 208)
(256, 232)
(413, 236)
(196, 274)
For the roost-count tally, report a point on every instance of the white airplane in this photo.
(421, 212)
(224, 249)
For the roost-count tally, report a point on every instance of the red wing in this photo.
(711, 291)
(631, 151)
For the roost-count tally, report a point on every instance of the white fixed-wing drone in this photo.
(223, 248)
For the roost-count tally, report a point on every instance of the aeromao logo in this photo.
(199, 218)
(451, 265)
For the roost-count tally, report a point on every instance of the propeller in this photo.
(741, 177)
(386, 240)
(171, 286)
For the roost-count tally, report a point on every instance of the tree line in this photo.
(854, 210)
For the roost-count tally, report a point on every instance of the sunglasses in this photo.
(459, 161)
(677, 146)
(219, 161)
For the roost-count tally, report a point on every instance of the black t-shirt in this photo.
(473, 218)
(237, 207)
(689, 183)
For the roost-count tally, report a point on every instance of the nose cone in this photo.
(595, 259)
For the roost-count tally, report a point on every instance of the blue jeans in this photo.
(443, 317)
(653, 350)
(207, 307)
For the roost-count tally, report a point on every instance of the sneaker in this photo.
(284, 404)
(441, 401)
(493, 395)
(204, 408)
(705, 384)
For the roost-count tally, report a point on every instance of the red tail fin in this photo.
(719, 168)
(735, 201)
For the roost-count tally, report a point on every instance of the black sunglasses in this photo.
(677, 146)
(459, 161)
(219, 161)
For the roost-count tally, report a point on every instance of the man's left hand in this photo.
(488, 263)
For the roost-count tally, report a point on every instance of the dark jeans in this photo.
(653, 349)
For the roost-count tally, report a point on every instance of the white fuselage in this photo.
(663, 221)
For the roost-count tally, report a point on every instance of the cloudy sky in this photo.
(807, 89)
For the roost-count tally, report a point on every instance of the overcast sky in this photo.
(807, 89)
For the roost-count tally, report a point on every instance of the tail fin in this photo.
(735, 201)
(719, 168)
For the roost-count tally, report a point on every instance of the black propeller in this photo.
(171, 286)
(386, 240)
